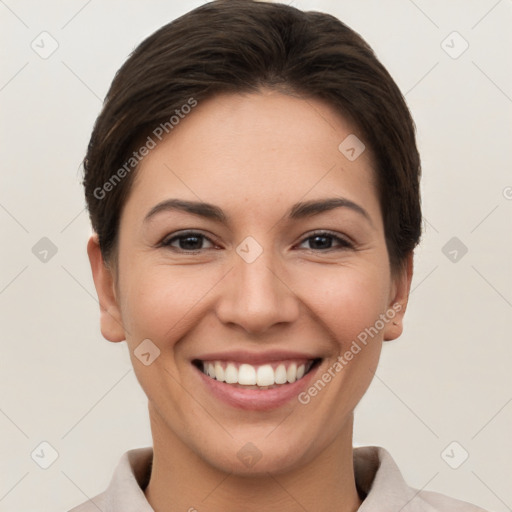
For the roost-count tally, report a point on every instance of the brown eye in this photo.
(190, 241)
(324, 241)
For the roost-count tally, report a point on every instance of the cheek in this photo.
(347, 300)
(163, 303)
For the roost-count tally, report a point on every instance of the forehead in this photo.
(256, 149)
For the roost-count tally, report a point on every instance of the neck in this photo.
(182, 481)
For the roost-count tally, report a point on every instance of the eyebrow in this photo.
(297, 211)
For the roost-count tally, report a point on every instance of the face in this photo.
(265, 288)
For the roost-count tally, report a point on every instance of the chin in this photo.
(250, 460)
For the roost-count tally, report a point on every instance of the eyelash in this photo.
(346, 244)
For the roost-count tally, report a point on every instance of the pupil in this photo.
(319, 237)
(186, 242)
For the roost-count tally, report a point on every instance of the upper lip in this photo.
(242, 356)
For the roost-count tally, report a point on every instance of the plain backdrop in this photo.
(443, 390)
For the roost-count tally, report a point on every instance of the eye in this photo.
(323, 240)
(190, 241)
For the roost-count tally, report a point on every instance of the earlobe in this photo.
(398, 301)
(110, 315)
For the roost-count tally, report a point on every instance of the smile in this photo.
(262, 377)
(255, 382)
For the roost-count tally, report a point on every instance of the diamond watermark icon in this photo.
(249, 454)
(249, 249)
(44, 455)
(44, 250)
(454, 249)
(352, 147)
(454, 455)
(146, 352)
(454, 45)
(45, 45)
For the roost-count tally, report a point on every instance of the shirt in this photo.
(376, 473)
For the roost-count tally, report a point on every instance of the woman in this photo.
(253, 185)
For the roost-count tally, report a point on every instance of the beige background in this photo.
(446, 379)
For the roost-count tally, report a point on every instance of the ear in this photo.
(399, 298)
(110, 314)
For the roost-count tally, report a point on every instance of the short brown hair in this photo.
(241, 46)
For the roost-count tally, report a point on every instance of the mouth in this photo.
(255, 383)
(271, 375)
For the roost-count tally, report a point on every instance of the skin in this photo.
(254, 156)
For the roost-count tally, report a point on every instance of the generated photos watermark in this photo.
(343, 360)
(156, 136)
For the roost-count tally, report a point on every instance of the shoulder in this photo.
(93, 505)
(379, 479)
(125, 490)
(443, 503)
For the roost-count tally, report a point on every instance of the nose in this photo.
(256, 296)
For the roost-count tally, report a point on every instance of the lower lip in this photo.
(255, 399)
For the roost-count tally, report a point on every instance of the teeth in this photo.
(291, 373)
(265, 376)
(246, 375)
(280, 374)
(231, 374)
(219, 372)
(210, 370)
(249, 375)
